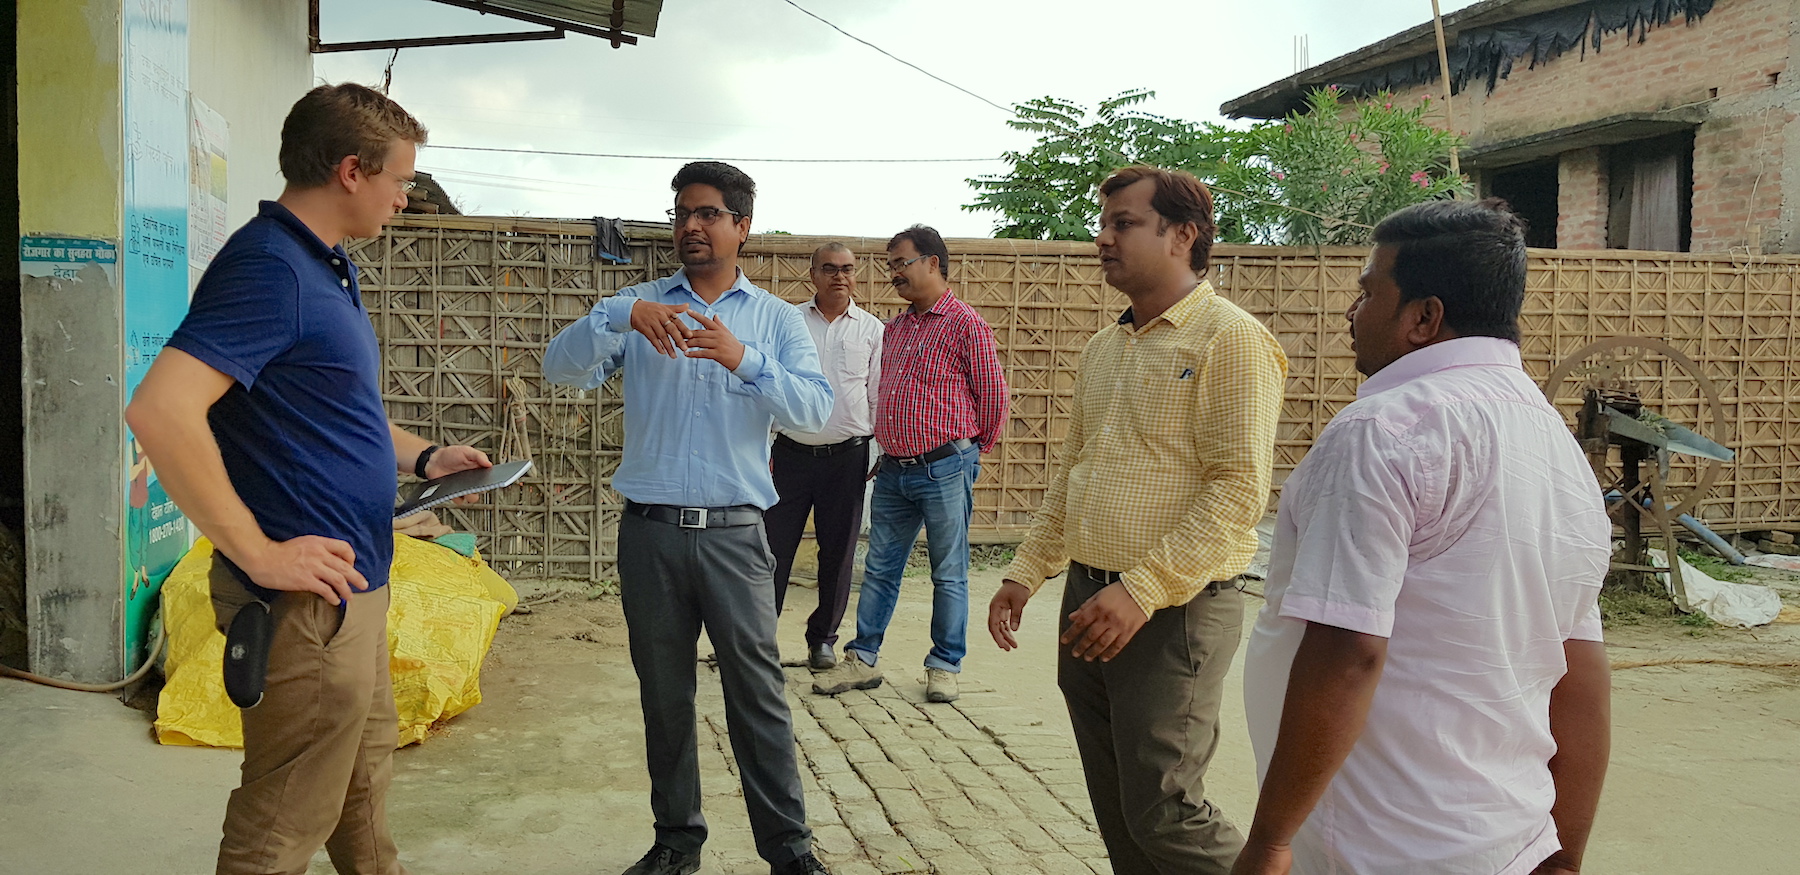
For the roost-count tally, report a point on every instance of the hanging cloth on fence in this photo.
(609, 242)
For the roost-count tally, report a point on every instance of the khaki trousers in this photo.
(1147, 724)
(319, 748)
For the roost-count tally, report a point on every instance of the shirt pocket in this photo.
(938, 364)
(853, 357)
(1160, 398)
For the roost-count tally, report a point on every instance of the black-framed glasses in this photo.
(897, 266)
(838, 269)
(707, 215)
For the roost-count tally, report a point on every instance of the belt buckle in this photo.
(905, 461)
(692, 518)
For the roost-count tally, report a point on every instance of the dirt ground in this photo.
(546, 775)
(1704, 760)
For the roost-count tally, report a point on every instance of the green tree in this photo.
(1316, 177)
(1048, 194)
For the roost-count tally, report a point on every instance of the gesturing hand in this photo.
(449, 460)
(661, 324)
(1005, 611)
(1109, 619)
(309, 563)
(714, 341)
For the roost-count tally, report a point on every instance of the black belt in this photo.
(943, 452)
(697, 517)
(820, 451)
(1107, 578)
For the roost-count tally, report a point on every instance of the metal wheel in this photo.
(1670, 384)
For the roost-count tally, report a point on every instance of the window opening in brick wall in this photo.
(1532, 189)
(1650, 194)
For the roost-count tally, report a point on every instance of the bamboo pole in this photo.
(1437, 20)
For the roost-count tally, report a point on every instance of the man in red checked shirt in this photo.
(943, 400)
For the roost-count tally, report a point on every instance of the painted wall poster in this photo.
(154, 265)
(209, 142)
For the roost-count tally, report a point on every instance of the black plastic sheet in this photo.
(1491, 52)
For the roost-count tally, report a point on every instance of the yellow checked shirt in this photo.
(1165, 469)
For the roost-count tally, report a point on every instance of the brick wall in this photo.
(1734, 62)
(1581, 200)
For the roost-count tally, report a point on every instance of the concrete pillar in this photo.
(71, 165)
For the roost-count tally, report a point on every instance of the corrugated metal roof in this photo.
(635, 16)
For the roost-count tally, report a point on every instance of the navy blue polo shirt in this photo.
(303, 432)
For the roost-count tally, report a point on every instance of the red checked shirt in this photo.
(945, 381)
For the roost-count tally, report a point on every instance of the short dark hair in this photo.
(737, 186)
(332, 122)
(1179, 198)
(928, 241)
(1469, 255)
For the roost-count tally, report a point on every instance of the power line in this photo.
(711, 158)
(871, 45)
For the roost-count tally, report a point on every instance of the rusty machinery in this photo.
(1618, 382)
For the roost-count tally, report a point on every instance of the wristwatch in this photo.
(424, 459)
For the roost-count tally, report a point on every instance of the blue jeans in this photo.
(938, 497)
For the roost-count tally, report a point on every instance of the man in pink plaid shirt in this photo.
(940, 409)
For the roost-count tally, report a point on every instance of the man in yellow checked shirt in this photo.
(1164, 475)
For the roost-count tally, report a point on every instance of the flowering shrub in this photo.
(1351, 162)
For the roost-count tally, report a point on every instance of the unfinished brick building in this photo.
(1624, 124)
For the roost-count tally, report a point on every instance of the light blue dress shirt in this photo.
(697, 435)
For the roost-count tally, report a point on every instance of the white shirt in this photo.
(850, 354)
(1450, 511)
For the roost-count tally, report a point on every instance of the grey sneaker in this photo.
(940, 685)
(851, 673)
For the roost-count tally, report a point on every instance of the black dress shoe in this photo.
(664, 860)
(805, 864)
(820, 658)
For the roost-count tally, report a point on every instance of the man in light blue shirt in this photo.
(711, 363)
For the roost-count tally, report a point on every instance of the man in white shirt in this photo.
(1426, 686)
(824, 473)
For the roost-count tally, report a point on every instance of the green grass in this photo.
(1624, 608)
(1697, 620)
(990, 556)
(1718, 569)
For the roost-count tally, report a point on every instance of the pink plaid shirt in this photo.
(940, 380)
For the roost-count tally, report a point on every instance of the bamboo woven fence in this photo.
(463, 307)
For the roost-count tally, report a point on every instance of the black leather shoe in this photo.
(664, 860)
(820, 658)
(805, 864)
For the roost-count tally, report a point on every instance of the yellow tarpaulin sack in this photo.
(441, 620)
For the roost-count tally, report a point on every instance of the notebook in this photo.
(431, 493)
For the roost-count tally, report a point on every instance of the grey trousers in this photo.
(1147, 724)
(672, 581)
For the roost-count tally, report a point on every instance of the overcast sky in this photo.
(743, 79)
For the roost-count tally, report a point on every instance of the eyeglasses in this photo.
(707, 215)
(406, 185)
(897, 266)
(837, 269)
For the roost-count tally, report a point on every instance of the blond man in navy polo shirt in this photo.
(264, 418)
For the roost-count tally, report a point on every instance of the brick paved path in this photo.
(895, 784)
